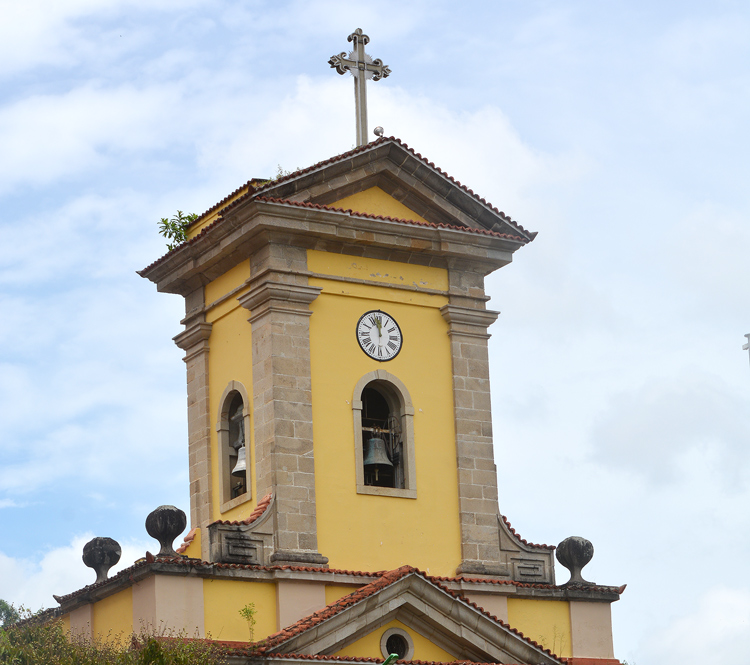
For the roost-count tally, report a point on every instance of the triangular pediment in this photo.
(422, 189)
(410, 597)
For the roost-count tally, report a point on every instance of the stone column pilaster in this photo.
(194, 341)
(282, 409)
(477, 476)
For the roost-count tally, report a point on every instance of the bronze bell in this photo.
(375, 454)
(241, 466)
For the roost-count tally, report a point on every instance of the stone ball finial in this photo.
(101, 554)
(165, 524)
(574, 553)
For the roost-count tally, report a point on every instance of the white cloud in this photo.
(652, 430)
(30, 582)
(713, 628)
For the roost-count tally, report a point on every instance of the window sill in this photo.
(387, 491)
(237, 501)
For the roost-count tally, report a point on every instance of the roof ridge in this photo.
(381, 141)
(299, 627)
(490, 615)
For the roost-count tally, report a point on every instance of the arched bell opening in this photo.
(382, 438)
(234, 442)
(237, 449)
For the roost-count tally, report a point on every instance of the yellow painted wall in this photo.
(230, 360)
(375, 201)
(365, 532)
(113, 616)
(544, 621)
(377, 270)
(222, 601)
(369, 646)
(193, 550)
(334, 592)
(65, 620)
(231, 279)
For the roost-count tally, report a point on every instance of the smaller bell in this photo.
(241, 467)
(375, 454)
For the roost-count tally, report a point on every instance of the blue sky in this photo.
(616, 130)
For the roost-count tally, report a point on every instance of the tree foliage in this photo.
(175, 229)
(39, 640)
(8, 614)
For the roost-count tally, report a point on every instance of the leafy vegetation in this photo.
(8, 614)
(175, 229)
(248, 613)
(40, 640)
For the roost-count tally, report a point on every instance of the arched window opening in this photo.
(381, 439)
(237, 450)
(384, 436)
(234, 429)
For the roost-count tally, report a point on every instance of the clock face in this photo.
(379, 335)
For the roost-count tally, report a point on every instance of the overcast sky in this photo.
(617, 130)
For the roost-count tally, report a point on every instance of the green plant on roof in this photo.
(248, 614)
(176, 228)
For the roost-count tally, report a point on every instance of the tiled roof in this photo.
(523, 540)
(250, 185)
(393, 139)
(354, 659)
(255, 191)
(149, 559)
(259, 510)
(267, 645)
(385, 218)
(187, 540)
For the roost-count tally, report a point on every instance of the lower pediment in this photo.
(449, 623)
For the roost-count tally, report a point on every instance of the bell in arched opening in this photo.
(241, 467)
(376, 461)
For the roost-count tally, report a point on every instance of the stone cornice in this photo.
(194, 339)
(279, 297)
(256, 223)
(466, 316)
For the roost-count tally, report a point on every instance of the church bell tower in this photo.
(336, 349)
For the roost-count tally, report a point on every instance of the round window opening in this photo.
(395, 640)
(397, 644)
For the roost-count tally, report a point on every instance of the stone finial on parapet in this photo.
(165, 524)
(574, 553)
(101, 554)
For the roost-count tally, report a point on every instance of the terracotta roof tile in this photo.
(250, 185)
(256, 188)
(187, 540)
(259, 510)
(354, 659)
(523, 540)
(197, 563)
(393, 139)
(386, 579)
(267, 645)
(385, 218)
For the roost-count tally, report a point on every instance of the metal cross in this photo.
(362, 67)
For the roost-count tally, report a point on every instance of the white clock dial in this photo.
(378, 335)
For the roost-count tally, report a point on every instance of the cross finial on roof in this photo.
(746, 347)
(362, 67)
